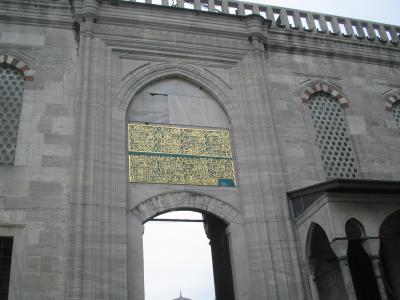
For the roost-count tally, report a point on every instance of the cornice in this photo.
(173, 19)
(56, 14)
(165, 51)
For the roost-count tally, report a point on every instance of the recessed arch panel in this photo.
(142, 77)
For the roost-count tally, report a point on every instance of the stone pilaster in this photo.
(269, 228)
(135, 232)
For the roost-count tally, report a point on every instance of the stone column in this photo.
(339, 247)
(222, 267)
(371, 246)
(135, 258)
(239, 261)
(311, 265)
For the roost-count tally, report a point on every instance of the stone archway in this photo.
(186, 200)
(217, 210)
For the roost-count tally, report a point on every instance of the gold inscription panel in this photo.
(176, 155)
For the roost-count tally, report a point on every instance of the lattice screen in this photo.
(11, 92)
(396, 114)
(332, 137)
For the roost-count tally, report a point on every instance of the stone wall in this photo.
(35, 191)
(67, 197)
(372, 128)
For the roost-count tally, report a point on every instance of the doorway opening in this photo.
(186, 256)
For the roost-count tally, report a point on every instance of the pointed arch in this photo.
(310, 235)
(143, 76)
(391, 99)
(387, 216)
(162, 203)
(19, 64)
(321, 86)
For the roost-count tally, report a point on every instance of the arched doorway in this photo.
(223, 227)
(390, 254)
(327, 274)
(187, 250)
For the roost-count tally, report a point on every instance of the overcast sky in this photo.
(177, 256)
(384, 11)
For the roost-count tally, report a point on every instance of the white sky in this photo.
(384, 11)
(177, 255)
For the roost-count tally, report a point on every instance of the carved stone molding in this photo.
(321, 86)
(186, 200)
(391, 99)
(22, 66)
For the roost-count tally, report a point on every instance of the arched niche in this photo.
(176, 101)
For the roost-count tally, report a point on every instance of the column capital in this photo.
(339, 247)
(372, 246)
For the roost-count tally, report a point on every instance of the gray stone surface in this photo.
(67, 199)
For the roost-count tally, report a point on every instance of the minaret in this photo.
(180, 296)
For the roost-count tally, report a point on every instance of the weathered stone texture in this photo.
(79, 222)
(35, 195)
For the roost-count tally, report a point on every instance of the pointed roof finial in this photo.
(181, 297)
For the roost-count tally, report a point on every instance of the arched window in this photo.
(396, 113)
(332, 136)
(11, 92)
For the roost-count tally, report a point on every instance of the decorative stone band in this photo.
(324, 87)
(159, 204)
(293, 20)
(18, 64)
(391, 100)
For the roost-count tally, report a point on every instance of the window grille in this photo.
(396, 114)
(11, 92)
(6, 246)
(332, 137)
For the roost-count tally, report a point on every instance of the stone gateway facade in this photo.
(281, 126)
